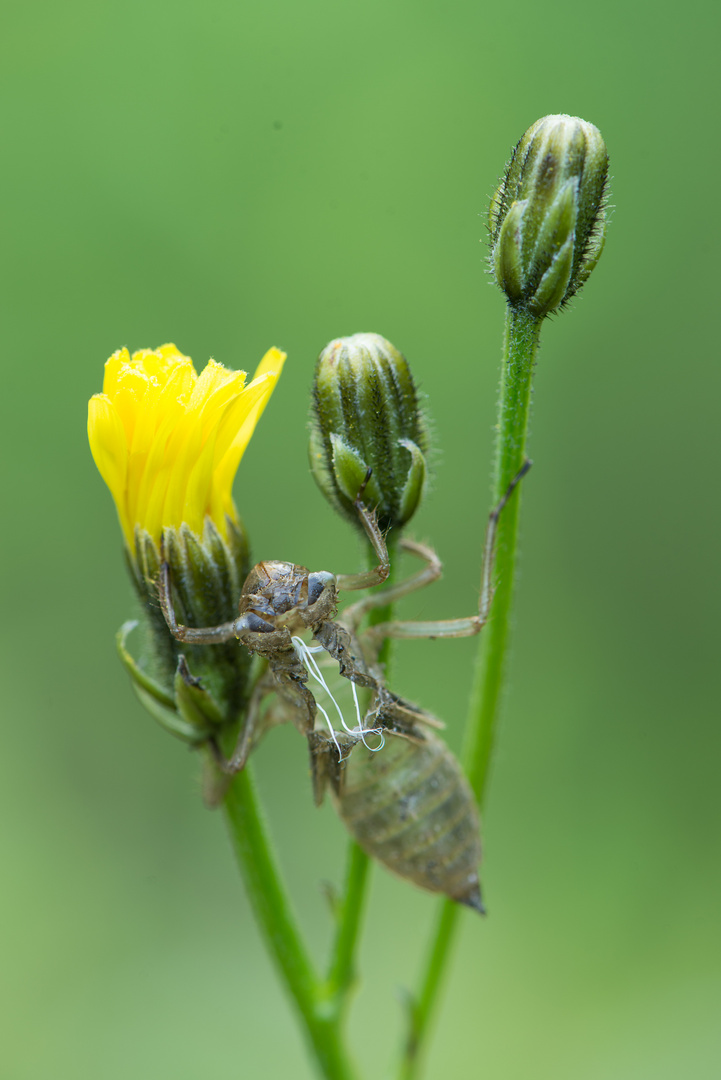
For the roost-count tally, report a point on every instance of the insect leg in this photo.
(489, 547)
(433, 569)
(251, 731)
(471, 624)
(369, 521)
(386, 710)
(343, 646)
(298, 697)
(206, 635)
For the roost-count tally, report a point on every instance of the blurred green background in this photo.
(231, 176)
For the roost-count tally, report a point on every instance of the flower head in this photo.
(168, 442)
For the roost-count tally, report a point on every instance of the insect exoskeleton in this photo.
(284, 593)
(410, 807)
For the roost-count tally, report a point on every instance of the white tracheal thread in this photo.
(305, 655)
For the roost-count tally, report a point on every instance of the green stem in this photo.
(422, 1006)
(519, 353)
(342, 967)
(520, 348)
(277, 924)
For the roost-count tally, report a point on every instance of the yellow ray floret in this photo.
(168, 442)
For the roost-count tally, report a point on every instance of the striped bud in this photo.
(365, 415)
(547, 219)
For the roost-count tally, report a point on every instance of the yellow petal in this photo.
(215, 405)
(171, 352)
(153, 516)
(170, 416)
(109, 449)
(113, 366)
(239, 412)
(272, 362)
(211, 378)
(129, 397)
(199, 488)
(183, 454)
(228, 466)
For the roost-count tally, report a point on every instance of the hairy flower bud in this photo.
(365, 415)
(547, 219)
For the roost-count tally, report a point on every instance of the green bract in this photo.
(365, 415)
(547, 219)
(193, 690)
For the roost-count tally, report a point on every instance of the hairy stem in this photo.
(277, 924)
(520, 348)
(519, 352)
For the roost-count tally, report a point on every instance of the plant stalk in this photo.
(342, 968)
(519, 352)
(276, 921)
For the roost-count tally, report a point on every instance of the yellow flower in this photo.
(168, 442)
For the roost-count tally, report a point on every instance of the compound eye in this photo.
(317, 583)
(253, 624)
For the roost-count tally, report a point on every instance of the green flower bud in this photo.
(192, 690)
(365, 415)
(547, 219)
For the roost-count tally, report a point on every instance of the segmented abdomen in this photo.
(410, 806)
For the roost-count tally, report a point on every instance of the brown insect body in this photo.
(410, 807)
(273, 589)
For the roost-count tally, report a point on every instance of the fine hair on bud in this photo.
(547, 218)
(368, 431)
